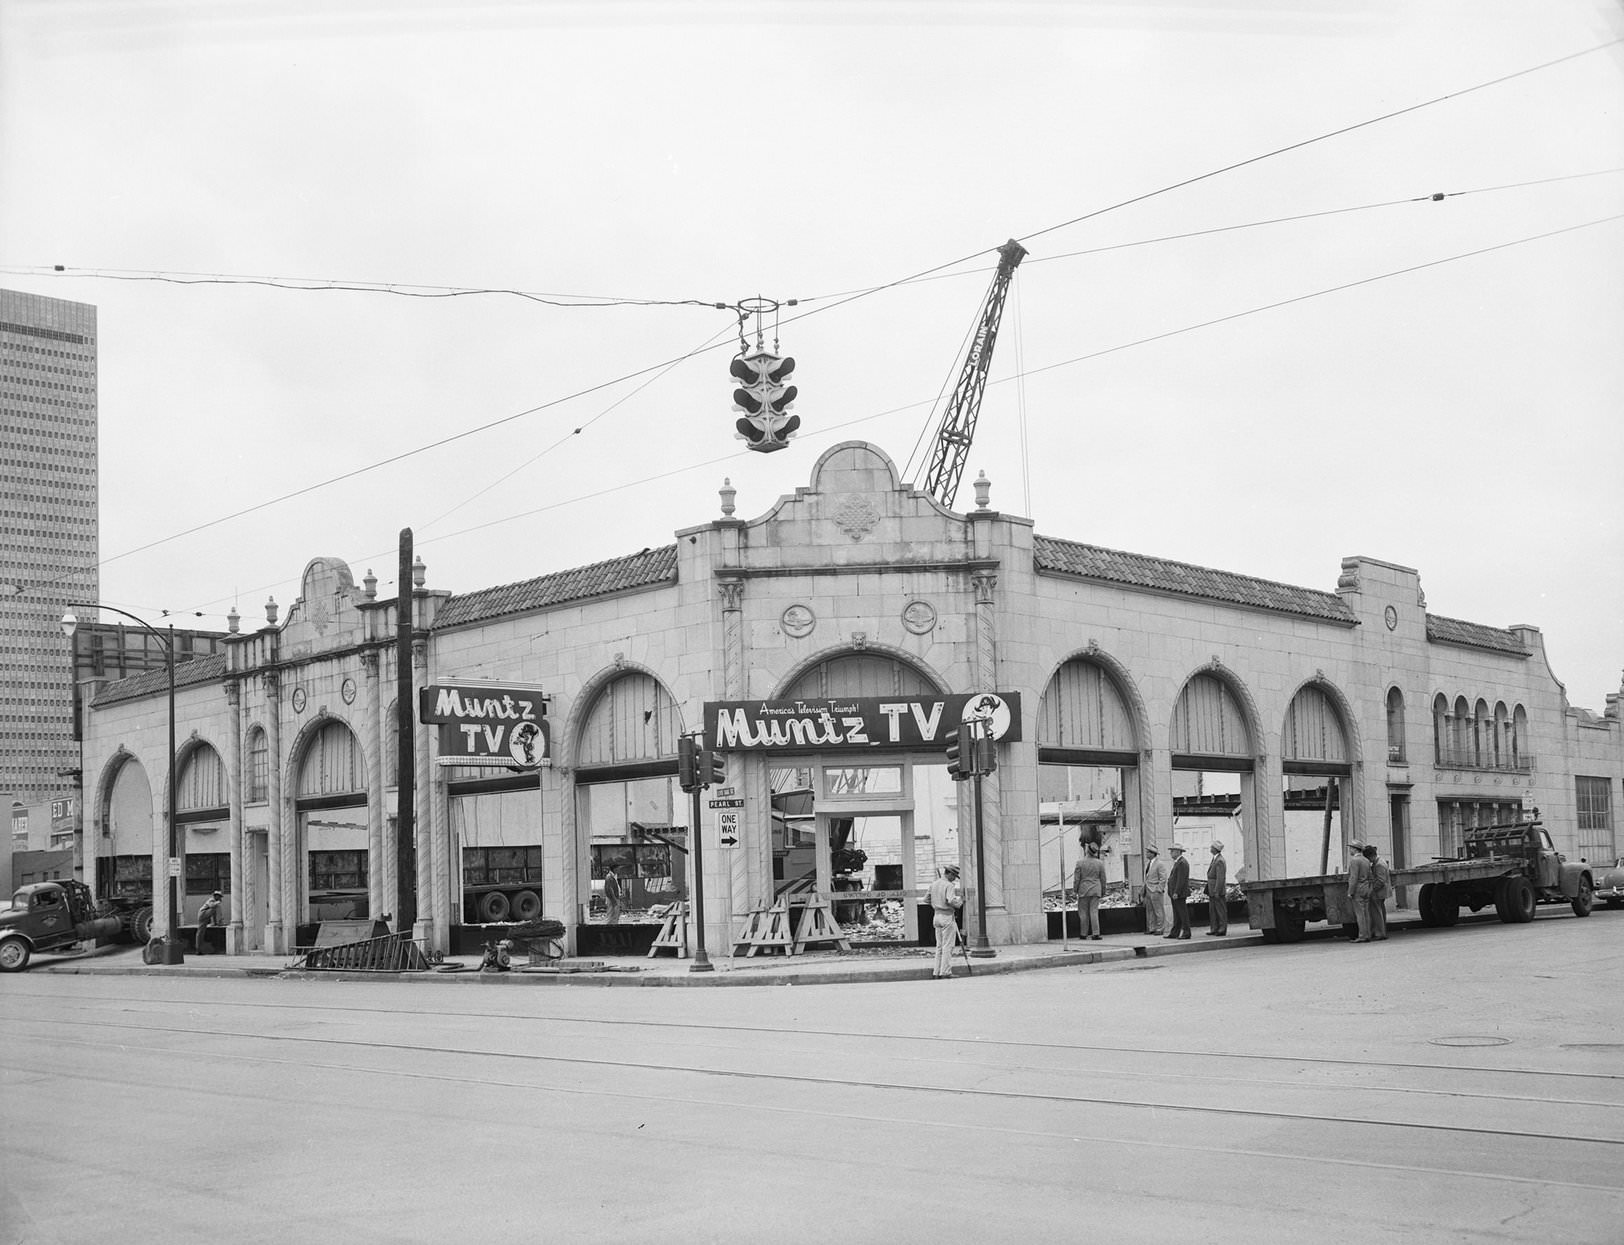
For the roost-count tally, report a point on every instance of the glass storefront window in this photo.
(841, 780)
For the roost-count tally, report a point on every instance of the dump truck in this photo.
(1513, 867)
(58, 916)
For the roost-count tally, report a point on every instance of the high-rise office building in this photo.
(48, 532)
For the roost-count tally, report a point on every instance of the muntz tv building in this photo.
(827, 649)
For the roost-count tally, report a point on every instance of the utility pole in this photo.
(405, 748)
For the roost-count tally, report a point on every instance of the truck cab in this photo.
(49, 916)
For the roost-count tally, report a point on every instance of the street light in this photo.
(170, 950)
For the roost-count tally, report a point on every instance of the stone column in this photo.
(234, 786)
(372, 715)
(749, 863)
(278, 923)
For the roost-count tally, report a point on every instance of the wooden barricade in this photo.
(817, 925)
(766, 930)
(673, 933)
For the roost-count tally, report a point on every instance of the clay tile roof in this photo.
(208, 669)
(1441, 630)
(1135, 570)
(639, 570)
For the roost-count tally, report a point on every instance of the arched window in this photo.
(1482, 726)
(1461, 736)
(1520, 758)
(1440, 729)
(1395, 726)
(1502, 736)
(1082, 708)
(259, 766)
(332, 764)
(860, 674)
(1208, 720)
(201, 782)
(632, 719)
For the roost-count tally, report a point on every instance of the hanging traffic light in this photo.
(687, 763)
(765, 396)
(960, 753)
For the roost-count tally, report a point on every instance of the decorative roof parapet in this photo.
(650, 568)
(1134, 570)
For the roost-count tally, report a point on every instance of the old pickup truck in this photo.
(1610, 883)
(1514, 867)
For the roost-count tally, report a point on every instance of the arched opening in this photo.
(1088, 784)
(259, 767)
(330, 805)
(1440, 730)
(1482, 728)
(203, 819)
(1213, 761)
(871, 827)
(1316, 763)
(631, 815)
(126, 825)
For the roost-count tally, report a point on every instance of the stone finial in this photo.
(727, 493)
(983, 488)
(270, 610)
(420, 573)
(233, 621)
(369, 586)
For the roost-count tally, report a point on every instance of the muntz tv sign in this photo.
(485, 725)
(854, 724)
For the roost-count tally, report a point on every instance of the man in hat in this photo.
(1155, 891)
(1217, 893)
(1381, 886)
(946, 898)
(1178, 891)
(207, 917)
(1361, 885)
(1088, 884)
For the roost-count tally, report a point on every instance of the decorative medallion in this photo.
(298, 700)
(919, 617)
(797, 621)
(1391, 615)
(856, 517)
(347, 691)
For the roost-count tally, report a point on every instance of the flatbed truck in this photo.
(1515, 867)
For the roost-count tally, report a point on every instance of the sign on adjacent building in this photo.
(479, 724)
(856, 723)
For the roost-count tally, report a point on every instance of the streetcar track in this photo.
(846, 1116)
(865, 1035)
(895, 1086)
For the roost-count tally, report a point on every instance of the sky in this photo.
(1247, 335)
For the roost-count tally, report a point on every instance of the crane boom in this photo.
(959, 420)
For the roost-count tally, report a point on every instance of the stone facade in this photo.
(1165, 671)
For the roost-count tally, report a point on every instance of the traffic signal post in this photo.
(698, 768)
(972, 753)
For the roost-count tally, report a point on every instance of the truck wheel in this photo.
(1423, 903)
(140, 926)
(493, 907)
(1585, 899)
(526, 906)
(14, 954)
(1445, 907)
(1520, 900)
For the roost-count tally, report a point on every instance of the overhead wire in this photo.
(1140, 198)
(1024, 373)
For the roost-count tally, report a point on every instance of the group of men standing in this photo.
(1369, 884)
(1167, 893)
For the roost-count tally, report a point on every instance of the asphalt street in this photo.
(1448, 1085)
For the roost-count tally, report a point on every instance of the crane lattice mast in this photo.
(958, 428)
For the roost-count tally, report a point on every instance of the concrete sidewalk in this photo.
(808, 968)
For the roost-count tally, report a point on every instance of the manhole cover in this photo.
(1471, 1040)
